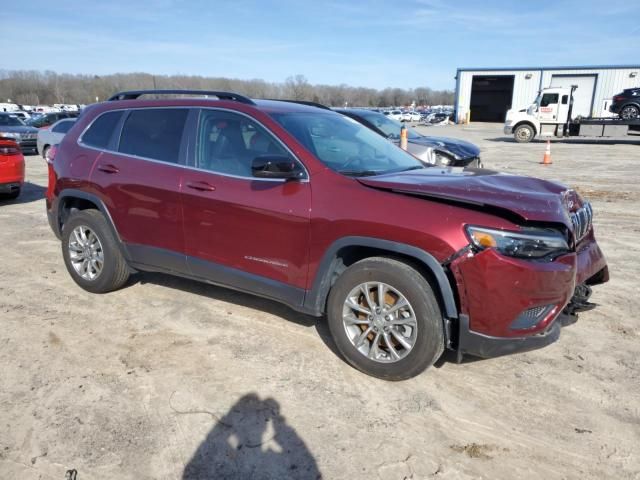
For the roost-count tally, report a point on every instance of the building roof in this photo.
(574, 67)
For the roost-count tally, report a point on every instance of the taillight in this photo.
(8, 150)
(618, 98)
(52, 154)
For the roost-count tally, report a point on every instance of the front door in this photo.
(548, 110)
(241, 231)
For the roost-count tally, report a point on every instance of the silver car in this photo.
(47, 137)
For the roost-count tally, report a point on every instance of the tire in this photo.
(524, 133)
(45, 152)
(629, 112)
(114, 271)
(10, 196)
(427, 340)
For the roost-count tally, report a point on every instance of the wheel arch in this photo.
(69, 200)
(344, 252)
(525, 122)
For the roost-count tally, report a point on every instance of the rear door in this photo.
(139, 177)
(239, 230)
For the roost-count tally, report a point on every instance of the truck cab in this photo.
(546, 116)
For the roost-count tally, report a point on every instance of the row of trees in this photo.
(46, 88)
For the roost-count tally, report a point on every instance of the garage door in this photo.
(491, 97)
(583, 96)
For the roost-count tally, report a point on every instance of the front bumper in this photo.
(497, 294)
(508, 129)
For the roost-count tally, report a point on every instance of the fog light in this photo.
(531, 317)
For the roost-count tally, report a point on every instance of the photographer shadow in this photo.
(253, 440)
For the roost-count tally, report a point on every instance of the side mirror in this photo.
(275, 166)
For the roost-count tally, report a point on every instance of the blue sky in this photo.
(378, 44)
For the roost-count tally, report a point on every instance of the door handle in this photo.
(108, 168)
(201, 186)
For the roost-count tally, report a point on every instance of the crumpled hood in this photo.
(530, 198)
(459, 148)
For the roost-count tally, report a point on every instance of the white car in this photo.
(412, 117)
(396, 115)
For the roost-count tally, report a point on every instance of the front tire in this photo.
(45, 152)
(385, 320)
(524, 133)
(91, 253)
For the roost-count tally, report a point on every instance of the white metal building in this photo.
(489, 92)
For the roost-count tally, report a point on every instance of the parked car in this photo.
(627, 103)
(396, 115)
(412, 117)
(12, 127)
(441, 151)
(50, 136)
(404, 260)
(11, 169)
(22, 115)
(50, 118)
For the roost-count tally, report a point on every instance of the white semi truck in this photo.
(550, 116)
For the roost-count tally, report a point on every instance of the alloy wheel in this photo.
(86, 253)
(380, 322)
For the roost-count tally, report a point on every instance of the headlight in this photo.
(442, 159)
(533, 244)
(10, 135)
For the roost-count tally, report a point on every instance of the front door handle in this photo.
(201, 186)
(108, 168)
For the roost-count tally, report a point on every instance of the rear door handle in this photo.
(108, 168)
(201, 186)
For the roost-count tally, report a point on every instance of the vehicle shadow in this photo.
(30, 193)
(574, 140)
(222, 294)
(241, 299)
(252, 440)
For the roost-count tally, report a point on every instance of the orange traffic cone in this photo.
(546, 160)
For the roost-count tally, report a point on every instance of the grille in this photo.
(581, 220)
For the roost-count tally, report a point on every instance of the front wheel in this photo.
(385, 319)
(524, 133)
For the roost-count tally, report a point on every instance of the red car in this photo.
(310, 208)
(11, 169)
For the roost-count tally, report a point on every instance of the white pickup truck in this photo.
(550, 116)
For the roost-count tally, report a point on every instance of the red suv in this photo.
(310, 208)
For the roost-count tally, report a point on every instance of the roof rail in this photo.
(302, 102)
(133, 94)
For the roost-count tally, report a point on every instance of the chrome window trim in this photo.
(188, 167)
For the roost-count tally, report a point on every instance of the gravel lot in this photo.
(168, 378)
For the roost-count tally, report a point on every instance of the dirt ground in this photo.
(168, 378)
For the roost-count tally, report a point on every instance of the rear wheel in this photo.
(630, 112)
(385, 319)
(91, 253)
(524, 133)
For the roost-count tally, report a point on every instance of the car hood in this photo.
(529, 198)
(18, 129)
(460, 148)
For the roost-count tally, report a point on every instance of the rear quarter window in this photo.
(101, 130)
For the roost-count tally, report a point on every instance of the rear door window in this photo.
(101, 130)
(154, 133)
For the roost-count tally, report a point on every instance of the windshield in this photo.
(389, 126)
(10, 121)
(345, 145)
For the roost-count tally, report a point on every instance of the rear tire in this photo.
(524, 133)
(45, 152)
(630, 112)
(91, 253)
(418, 325)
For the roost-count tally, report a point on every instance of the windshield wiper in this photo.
(359, 173)
(415, 167)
